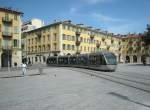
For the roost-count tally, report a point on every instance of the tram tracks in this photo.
(139, 85)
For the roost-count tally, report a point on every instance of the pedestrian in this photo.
(24, 67)
(144, 61)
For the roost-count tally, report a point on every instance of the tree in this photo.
(146, 36)
(146, 40)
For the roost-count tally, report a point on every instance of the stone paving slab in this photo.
(18, 73)
(63, 89)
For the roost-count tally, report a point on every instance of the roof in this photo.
(10, 10)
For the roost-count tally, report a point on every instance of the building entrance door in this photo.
(6, 59)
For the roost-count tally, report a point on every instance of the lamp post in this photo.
(8, 53)
(26, 46)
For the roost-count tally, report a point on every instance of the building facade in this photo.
(66, 38)
(28, 26)
(10, 37)
(133, 49)
(31, 25)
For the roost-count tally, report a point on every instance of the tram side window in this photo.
(103, 61)
(92, 60)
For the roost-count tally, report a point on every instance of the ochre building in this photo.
(66, 38)
(10, 37)
(133, 49)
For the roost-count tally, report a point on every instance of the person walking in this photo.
(24, 67)
(144, 61)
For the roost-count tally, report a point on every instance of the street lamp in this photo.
(8, 48)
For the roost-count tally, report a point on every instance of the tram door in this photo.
(5, 58)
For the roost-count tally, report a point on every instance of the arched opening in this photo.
(6, 57)
(68, 54)
(134, 59)
(127, 59)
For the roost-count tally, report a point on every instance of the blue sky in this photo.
(117, 16)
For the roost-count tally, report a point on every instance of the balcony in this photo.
(108, 47)
(78, 43)
(6, 47)
(78, 33)
(103, 39)
(98, 45)
(7, 19)
(7, 34)
(92, 36)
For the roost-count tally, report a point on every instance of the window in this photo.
(43, 47)
(43, 38)
(73, 38)
(55, 36)
(55, 46)
(35, 48)
(28, 49)
(63, 26)
(66, 26)
(16, 42)
(64, 37)
(15, 17)
(29, 41)
(32, 40)
(84, 48)
(88, 49)
(48, 37)
(35, 40)
(64, 46)
(6, 15)
(84, 40)
(72, 47)
(49, 47)
(16, 30)
(68, 47)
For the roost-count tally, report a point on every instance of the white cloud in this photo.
(97, 1)
(106, 19)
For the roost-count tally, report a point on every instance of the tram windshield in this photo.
(111, 58)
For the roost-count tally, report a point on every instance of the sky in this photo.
(117, 16)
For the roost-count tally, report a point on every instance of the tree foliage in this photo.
(146, 36)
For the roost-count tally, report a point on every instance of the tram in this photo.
(104, 61)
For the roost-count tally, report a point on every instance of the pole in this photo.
(26, 47)
(8, 60)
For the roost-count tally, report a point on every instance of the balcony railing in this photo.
(92, 36)
(78, 43)
(7, 47)
(7, 33)
(7, 19)
(98, 45)
(78, 33)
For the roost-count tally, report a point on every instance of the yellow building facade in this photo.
(133, 49)
(10, 37)
(66, 38)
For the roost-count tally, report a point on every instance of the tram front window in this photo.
(111, 59)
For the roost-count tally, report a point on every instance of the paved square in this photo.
(68, 89)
